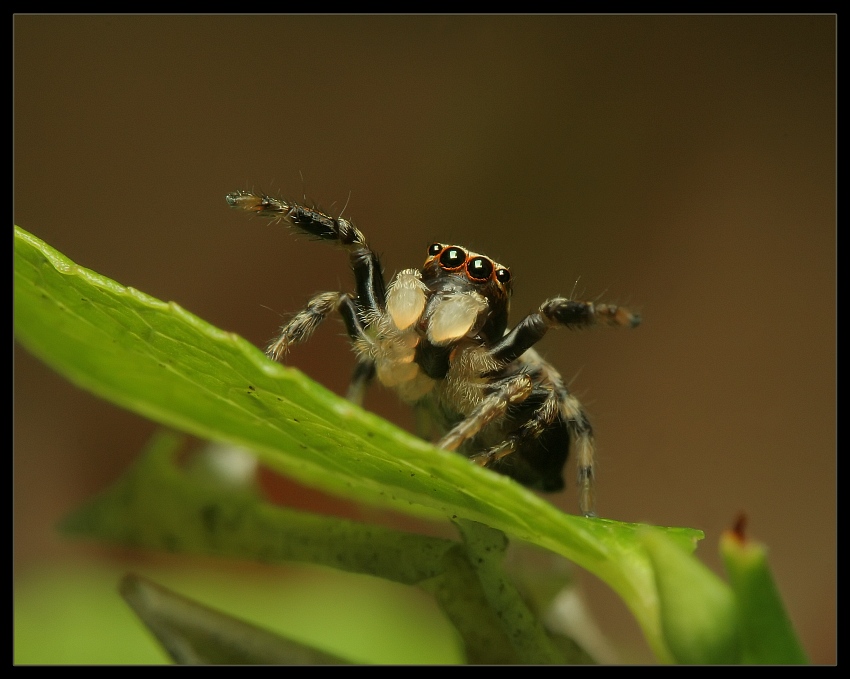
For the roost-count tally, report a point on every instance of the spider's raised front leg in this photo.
(368, 276)
(357, 312)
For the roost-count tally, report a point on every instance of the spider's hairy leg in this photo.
(304, 323)
(570, 411)
(542, 418)
(559, 311)
(577, 314)
(365, 368)
(369, 279)
(585, 450)
(510, 391)
(311, 221)
(361, 378)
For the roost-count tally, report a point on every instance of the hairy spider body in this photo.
(439, 336)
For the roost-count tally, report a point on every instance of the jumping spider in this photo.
(439, 336)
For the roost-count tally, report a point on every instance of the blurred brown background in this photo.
(683, 165)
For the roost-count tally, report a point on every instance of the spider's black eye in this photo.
(452, 258)
(434, 250)
(479, 268)
(503, 276)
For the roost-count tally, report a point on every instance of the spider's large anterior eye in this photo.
(452, 258)
(434, 250)
(503, 276)
(479, 268)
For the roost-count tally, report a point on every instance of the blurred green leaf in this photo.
(69, 612)
(162, 362)
(157, 505)
(698, 614)
(485, 549)
(767, 635)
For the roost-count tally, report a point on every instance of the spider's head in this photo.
(466, 290)
(463, 268)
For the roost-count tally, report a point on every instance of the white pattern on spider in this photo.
(439, 336)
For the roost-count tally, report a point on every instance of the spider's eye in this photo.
(503, 276)
(434, 250)
(479, 268)
(452, 258)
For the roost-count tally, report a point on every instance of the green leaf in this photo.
(460, 595)
(157, 505)
(162, 362)
(486, 548)
(698, 613)
(767, 635)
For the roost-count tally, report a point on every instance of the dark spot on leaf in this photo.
(250, 388)
(295, 419)
(210, 517)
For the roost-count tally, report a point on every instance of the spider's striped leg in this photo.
(576, 314)
(563, 406)
(361, 378)
(357, 312)
(304, 323)
(364, 369)
(581, 434)
(509, 392)
(368, 275)
(545, 415)
(559, 311)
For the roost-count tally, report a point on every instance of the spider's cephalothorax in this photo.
(439, 336)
